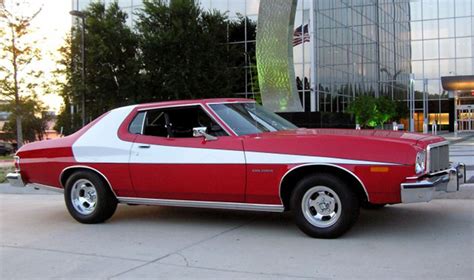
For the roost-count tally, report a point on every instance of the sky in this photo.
(50, 28)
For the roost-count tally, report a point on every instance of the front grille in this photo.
(438, 158)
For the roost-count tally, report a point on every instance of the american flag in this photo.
(300, 35)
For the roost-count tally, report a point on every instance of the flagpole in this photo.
(313, 47)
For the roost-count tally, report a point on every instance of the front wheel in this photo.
(323, 206)
(88, 199)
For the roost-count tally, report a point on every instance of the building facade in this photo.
(394, 48)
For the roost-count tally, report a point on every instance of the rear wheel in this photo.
(88, 199)
(323, 206)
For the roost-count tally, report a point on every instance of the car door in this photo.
(167, 162)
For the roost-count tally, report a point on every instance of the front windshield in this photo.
(250, 118)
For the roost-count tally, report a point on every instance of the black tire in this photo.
(333, 188)
(105, 201)
(372, 206)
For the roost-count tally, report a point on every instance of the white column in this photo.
(314, 100)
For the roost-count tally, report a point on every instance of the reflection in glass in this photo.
(431, 69)
(252, 7)
(430, 29)
(447, 67)
(446, 8)
(415, 10)
(463, 8)
(417, 69)
(220, 5)
(446, 28)
(464, 47)
(430, 49)
(463, 27)
(430, 9)
(416, 30)
(446, 48)
(464, 66)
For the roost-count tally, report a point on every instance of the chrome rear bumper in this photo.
(15, 179)
(445, 181)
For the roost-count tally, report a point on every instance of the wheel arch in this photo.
(293, 175)
(68, 171)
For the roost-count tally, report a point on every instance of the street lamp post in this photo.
(82, 16)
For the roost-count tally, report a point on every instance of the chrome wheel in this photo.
(84, 196)
(321, 206)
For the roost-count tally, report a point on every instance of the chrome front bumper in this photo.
(444, 181)
(15, 179)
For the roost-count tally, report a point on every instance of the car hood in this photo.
(387, 135)
(369, 145)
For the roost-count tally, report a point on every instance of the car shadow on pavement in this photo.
(400, 220)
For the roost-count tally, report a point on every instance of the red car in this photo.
(233, 154)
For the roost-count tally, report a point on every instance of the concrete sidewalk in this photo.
(420, 241)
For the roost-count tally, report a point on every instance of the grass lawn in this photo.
(4, 170)
(6, 157)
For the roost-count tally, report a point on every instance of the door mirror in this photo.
(202, 132)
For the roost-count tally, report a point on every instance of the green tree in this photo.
(33, 117)
(18, 79)
(364, 109)
(372, 112)
(69, 119)
(112, 70)
(111, 66)
(385, 110)
(184, 51)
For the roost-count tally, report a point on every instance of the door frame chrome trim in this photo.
(203, 204)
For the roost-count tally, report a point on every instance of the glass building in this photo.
(375, 47)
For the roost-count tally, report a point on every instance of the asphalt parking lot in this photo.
(424, 241)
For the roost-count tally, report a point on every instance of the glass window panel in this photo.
(205, 4)
(430, 9)
(416, 30)
(417, 68)
(464, 66)
(433, 87)
(418, 85)
(298, 53)
(431, 69)
(446, 8)
(446, 28)
(463, 27)
(252, 7)
(430, 29)
(236, 7)
(446, 48)
(430, 49)
(82, 4)
(447, 67)
(415, 9)
(220, 5)
(417, 50)
(463, 47)
(463, 8)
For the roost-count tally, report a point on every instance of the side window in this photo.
(174, 122)
(136, 125)
(156, 123)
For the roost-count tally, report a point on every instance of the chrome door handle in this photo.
(144, 146)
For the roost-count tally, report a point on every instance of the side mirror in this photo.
(202, 132)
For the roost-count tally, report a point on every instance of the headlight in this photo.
(420, 162)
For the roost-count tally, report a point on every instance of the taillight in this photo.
(17, 163)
